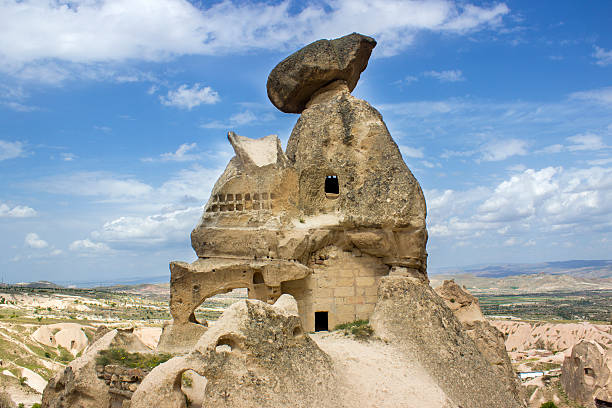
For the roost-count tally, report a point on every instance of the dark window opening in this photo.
(258, 278)
(602, 404)
(331, 185)
(589, 371)
(321, 321)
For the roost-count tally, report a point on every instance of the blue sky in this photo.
(113, 116)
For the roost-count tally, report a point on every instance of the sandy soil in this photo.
(375, 375)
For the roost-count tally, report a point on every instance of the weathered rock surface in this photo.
(488, 339)
(255, 355)
(587, 374)
(411, 316)
(273, 218)
(78, 386)
(294, 80)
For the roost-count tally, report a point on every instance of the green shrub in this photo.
(359, 328)
(118, 356)
(548, 404)
(36, 405)
(65, 355)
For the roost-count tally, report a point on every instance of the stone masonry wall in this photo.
(122, 382)
(344, 284)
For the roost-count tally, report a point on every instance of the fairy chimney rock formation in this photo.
(323, 221)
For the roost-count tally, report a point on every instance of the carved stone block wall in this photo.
(343, 284)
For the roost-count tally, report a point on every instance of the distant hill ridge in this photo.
(588, 269)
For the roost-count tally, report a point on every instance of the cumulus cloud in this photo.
(170, 226)
(502, 149)
(603, 57)
(16, 212)
(446, 76)
(11, 150)
(189, 97)
(88, 32)
(33, 241)
(533, 202)
(88, 246)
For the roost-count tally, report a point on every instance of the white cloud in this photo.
(16, 212)
(502, 149)
(518, 197)
(532, 203)
(88, 246)
(601, 95)
(173, 225)
(95, 184)
(238, 119)
(68, 156)
(188, 98)
(410, 79)
(33, 241)
(242, 118)
(446, 76)
(182, 154)
(416, 153)
(587, 141)
(603, 57)
(37, 34)
(11, 150)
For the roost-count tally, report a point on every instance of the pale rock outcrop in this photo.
(78, 386)
(412, 317)
(587, 374)
(255, 355)
(67, 335)
(488, 339)
(293, 81)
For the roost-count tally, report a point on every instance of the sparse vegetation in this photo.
(187, 380)
(118, 356)
(548, 404)
(359, 328)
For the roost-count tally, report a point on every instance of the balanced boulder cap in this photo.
(298, 77)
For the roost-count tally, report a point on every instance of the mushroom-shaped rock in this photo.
(294, 80)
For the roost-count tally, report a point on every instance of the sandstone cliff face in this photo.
(489, 341)
(587, 374)
(410, 315)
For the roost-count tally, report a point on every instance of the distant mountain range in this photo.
(553, 276)
(588, 269)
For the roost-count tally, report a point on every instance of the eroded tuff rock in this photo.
(294, 80)
(78, 386)
(255, 355)
(488, 339)
(412, 317)
(587, 374)
(323, 221)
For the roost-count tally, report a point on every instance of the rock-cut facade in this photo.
(324, 220)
